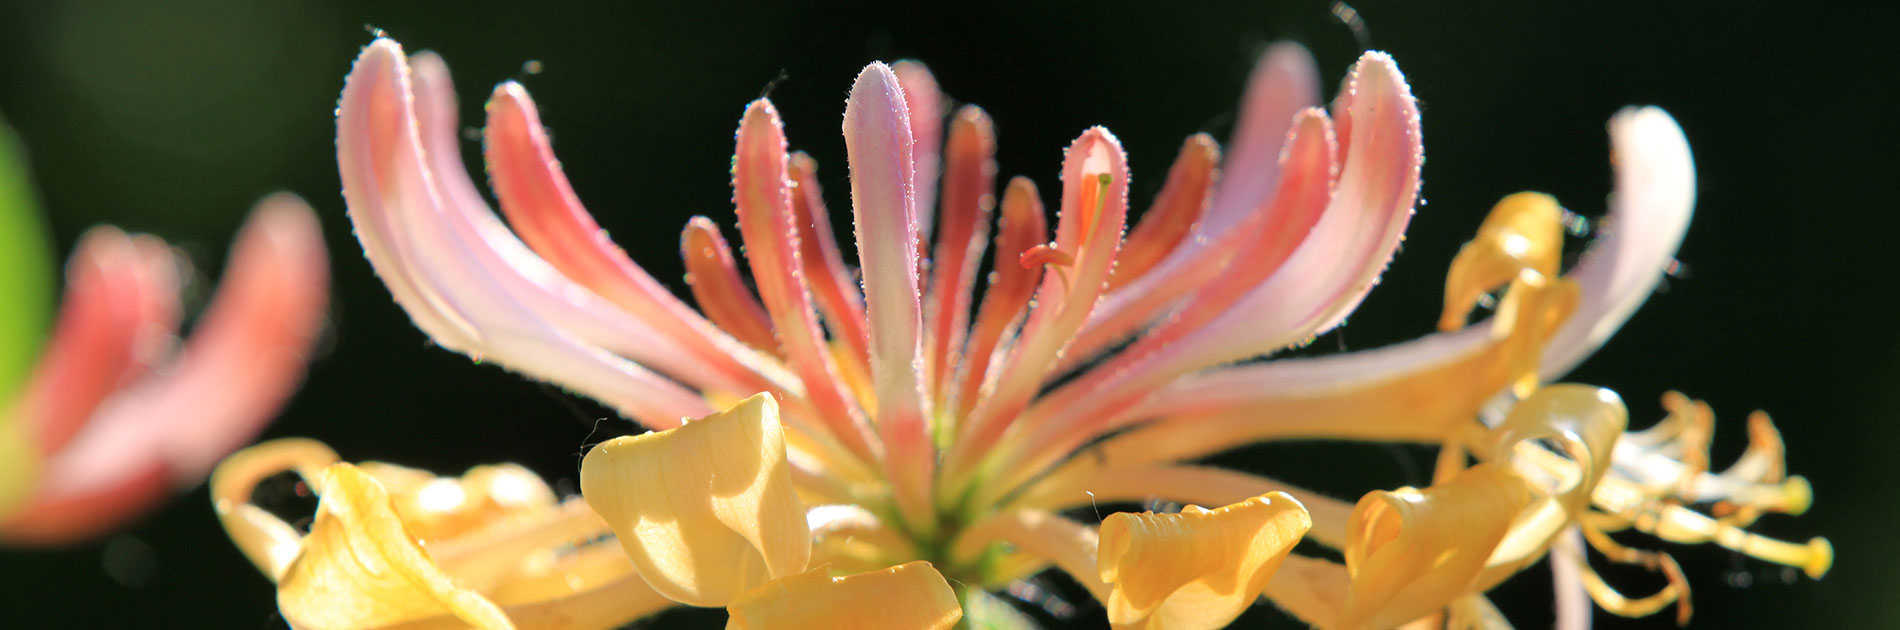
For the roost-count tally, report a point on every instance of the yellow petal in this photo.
(1427, 390)
(706, 511)
(1582, 420)
(1410, 552)
(360, 568)
(904, 597)
(436, 508)
(1197, 569)
(268, 541)
(1582, 424)
(1524, 231)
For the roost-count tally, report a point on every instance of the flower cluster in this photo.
(884, 432)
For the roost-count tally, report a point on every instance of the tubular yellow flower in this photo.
(706, 511)
(1411, 551)
(362, 563)
(360, 568)
(1524, 231)
(1199, 568)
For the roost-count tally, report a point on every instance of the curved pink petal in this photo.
(94, 345)
(1649, 214)
(1283, 83)
(833, 285)
(1344, 254)
(1268, 237)
(1020, 228)
(449, 275)
(1088, 230)
(761, 193)
(540, 204)
(249, 350)
(969, 197)
(712, 272)
(70, 516)
(924, 100)
(878, 145)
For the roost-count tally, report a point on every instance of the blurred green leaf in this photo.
(26, 268)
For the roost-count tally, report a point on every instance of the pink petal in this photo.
(761, 192)
(969, 196)
(1283, 83)
(1005, 301)
(94, 346)
(925, 102)
(537, 199)
(1649, 213)
(1089, 229)
(249, 349)
(713, 274)
(77, 515)
(1175, 212)
(877, 138)
(467, 286)
(1344, 254)
(833, 284)
(1084, 406)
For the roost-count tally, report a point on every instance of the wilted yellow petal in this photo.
(1197, 569)
(706, 511)
(1410, 551)
(1560, 440)
(360, 568)
(909, 596)
(1524, 231)
(1582, 420)
(268, 541)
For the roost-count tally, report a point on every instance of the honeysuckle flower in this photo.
(115, 414)
(868, 427)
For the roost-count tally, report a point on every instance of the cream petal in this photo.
(1649, 214)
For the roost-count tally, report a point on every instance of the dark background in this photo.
(173, 117)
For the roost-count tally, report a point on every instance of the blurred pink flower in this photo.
(112, 419)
